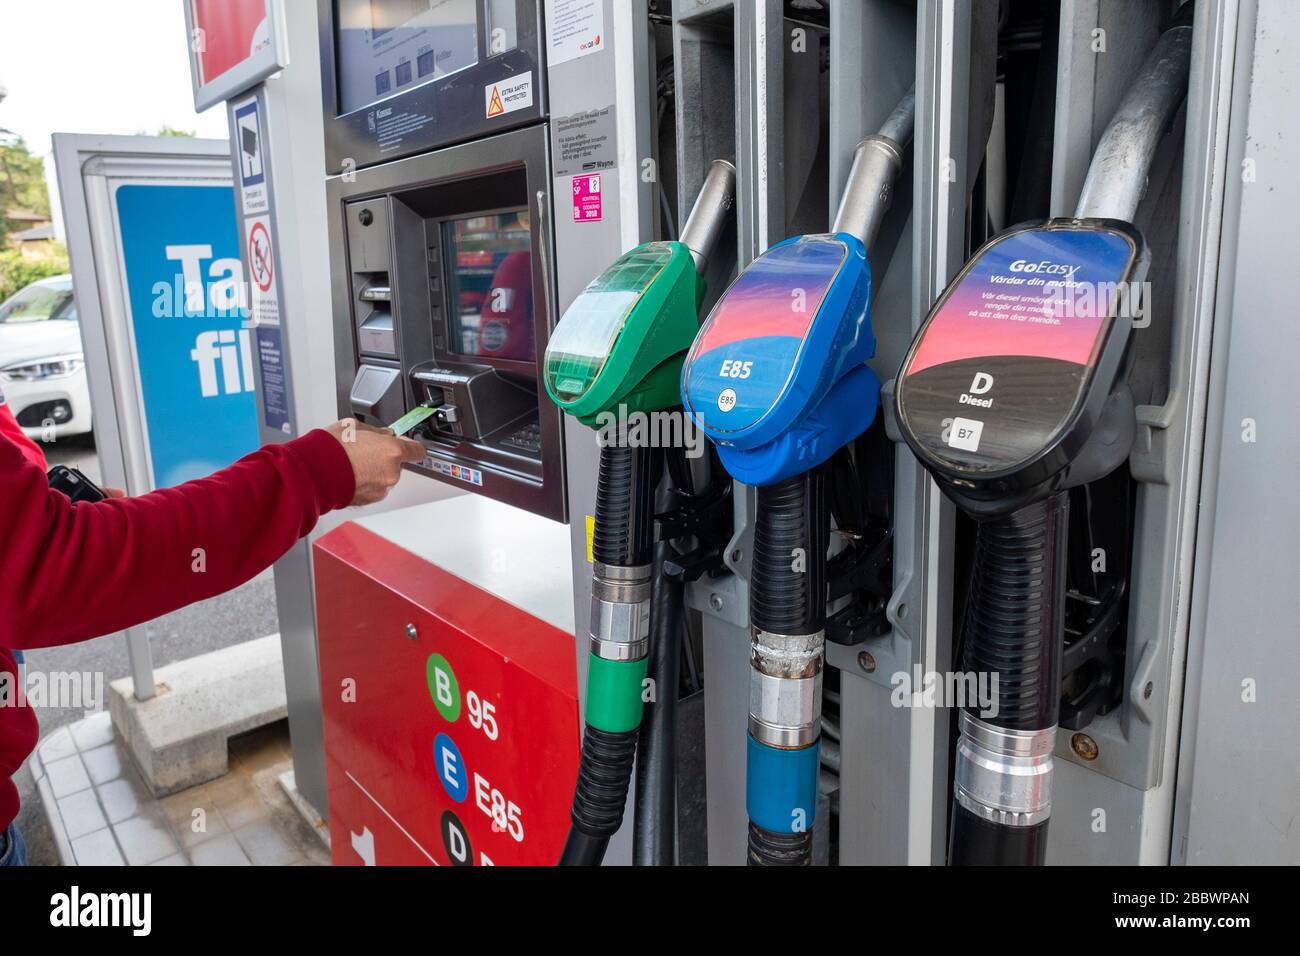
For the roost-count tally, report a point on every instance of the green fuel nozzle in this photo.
(622, 341)
(619, 348)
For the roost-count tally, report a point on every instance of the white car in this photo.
(42, 369)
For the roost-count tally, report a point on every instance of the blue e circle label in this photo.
(451, 768)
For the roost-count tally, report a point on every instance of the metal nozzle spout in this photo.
(1117, 177)
(709, 214)
(877, 161)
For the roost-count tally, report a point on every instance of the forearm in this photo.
(70, 573)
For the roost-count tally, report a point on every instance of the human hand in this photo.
(376, 455)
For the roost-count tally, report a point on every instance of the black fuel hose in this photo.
(622, 537)
(654, 834)
(788, 596)
(1013, 630)
(787, 609)
(623, 531)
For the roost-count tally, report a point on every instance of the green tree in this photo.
(17, 272)
(22, 183)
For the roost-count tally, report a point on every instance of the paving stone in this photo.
(221, 851)
(57, 746)
(107, 815)
(104, 763)
(94, 731)
(81, 814)
(144, 839)
(248, 808)
(266, 845)
(176, 859)
(123, 798)
(97, 849)
(179, 809)
(67, 776)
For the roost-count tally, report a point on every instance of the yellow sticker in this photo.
(591, 536)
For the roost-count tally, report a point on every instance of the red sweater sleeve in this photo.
(71, 572)
(11, 430)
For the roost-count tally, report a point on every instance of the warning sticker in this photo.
(587, 206)
(249, 150)
(585, 142)
(506, 96)
(274, 378)
(259, 256)
(575, 28)
(264, 305)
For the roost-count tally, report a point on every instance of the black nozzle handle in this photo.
(1014, 635)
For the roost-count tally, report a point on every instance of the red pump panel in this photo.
(455, 743)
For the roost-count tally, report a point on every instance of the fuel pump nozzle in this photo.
(617, 352)
(777, 379)
(877, 163)
(1014, 391)
(710, 213)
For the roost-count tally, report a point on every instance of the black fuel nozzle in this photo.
(1014, 391)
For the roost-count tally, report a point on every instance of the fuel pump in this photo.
(776, 379)
(618, 352)
(1014, 391)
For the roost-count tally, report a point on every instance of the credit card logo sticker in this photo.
(460, 472)
(964, 434)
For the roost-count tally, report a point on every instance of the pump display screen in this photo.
(389, 46)
(745, 356)
(582, 341)
(1005, 360)
(490, 286)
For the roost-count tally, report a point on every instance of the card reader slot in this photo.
(478, 401)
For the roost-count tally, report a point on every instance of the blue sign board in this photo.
(194, 354)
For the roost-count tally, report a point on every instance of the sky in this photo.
(91, 66)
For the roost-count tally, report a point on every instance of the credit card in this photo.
(411, 419)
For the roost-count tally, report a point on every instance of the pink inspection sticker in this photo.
(586, 198)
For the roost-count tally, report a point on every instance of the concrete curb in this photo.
(50, 807)
(179, 738)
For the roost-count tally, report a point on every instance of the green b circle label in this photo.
(443, 687)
